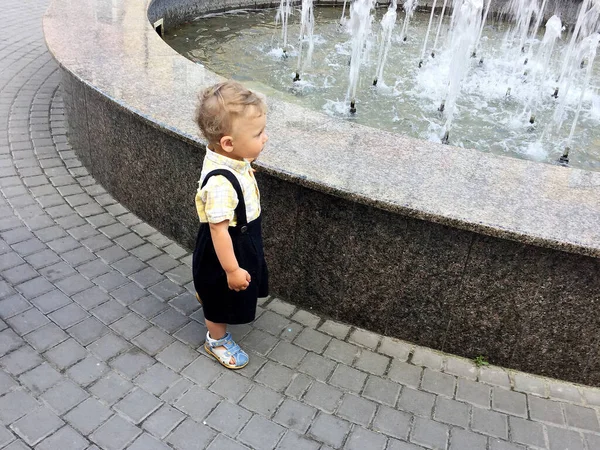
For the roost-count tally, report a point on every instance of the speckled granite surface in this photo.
(451, 248)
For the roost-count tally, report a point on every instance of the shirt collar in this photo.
(238, 166)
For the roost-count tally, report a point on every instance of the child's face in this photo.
(249, 137)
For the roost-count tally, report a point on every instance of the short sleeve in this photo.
(219, 199)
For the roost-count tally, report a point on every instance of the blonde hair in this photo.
(219, 105)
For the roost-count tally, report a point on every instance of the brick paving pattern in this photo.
(100, 337)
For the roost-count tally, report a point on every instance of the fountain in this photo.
(506, 100)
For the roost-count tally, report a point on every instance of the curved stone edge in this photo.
(409, 278)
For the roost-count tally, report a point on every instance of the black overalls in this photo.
(221, 304)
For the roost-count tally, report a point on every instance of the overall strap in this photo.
(240, 209)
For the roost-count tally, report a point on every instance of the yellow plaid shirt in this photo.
(217, 200)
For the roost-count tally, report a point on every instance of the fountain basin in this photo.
(466, 252)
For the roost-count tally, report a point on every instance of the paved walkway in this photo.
(100, 338)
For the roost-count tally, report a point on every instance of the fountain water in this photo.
(283, 15)
(307, 27)
(387, 27)
(465, 30)
(359, 27)
(427, 34)
(409, 10)
(439, 28)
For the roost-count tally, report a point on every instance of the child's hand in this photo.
(238, 280)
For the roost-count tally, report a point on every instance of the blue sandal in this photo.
(230, 349)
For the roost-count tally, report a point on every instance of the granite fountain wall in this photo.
(462, 251)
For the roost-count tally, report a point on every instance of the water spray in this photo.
(427, 34)
(387, 27)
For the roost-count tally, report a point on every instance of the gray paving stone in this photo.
(342, 351)
(262, 400)
(193, 334)
(65, 439)
(509, 402)
(42, 259)
(230, 419)
(274, 376)
(565, 391)
(57, 271)
(115, 434)
(73, 284)
(186, 303)
(83, 231)
(100, 220)
(176, 391)
(561, 439)
(416, 402)
(78, 256)
(157, 379)
(93, 268)
(21, 360)
(149, 307)
(9, 341)
(300, 383)
(40, 378)
(66, 354)
(364, 338)
(128, 294)
(405, 373)
(35, 287)
(88, 330)
(138, 405)
(177, 356)
(203, 371)
(477, 394)
(490, 423)
(392, 422)
(128, 265)
(147, 442)
(497, 444)
(110, 281)
(64, 396)
(287, 354)
(543, 410)
(348, 378)
(5, 436)
(63, 244)
(129, 326)
(451, 412)
(259, 341)
(231, 386)
(69, 315)
(90, 298)
(527, 432)
(146, 252)
(529, 385)
(170, 320)
(15, 405)
(132, 363)
(592, 440)
(88, 416)
(381, 390)
(323, 397)
(109, 311)
(191, 436)
(87, 371)
(361, 439)
(306, 318)
(329, 429)
(356, 409)
(318, 367)
(466, 440)
(261, 433)
(336, 329)
(36, 425)
(295, 415)
(430, 434)
(19, 274)
(372, 362)
(581, 417)
(111, 388)
(9, 260)
(163, 421)
(312, 340)
(13, 305)
(394, 444)
(222, 442)
(166, 290)
(51, 301)
(271, 323)
(197, 403)
(146, 277)
(108, 346)
(28, 247)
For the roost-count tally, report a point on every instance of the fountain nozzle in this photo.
(375, 80)
(285, 55)
(433, 54)
(353, 107)
(420, 64)
(507, 93)
(474, 54)
(526, 61)
(446, 138)
(297, 77)
(564, 159)
(442, 106)
(532, 119)
(555, 95)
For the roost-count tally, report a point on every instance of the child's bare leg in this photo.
(217, 331)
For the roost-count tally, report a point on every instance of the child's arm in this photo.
(238, 279)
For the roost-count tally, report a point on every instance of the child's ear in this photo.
(226, 143)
